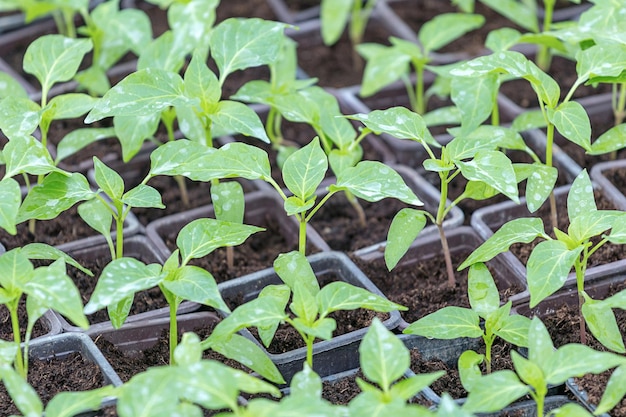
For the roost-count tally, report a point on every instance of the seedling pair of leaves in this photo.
(179, 281)
(387, 64)
(553, 258)
(453, 322)
(475, 156)
(45, 287)
(544, 366)
(309, 305)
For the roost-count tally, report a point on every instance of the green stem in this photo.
(488, 338)
(309, 350)
(119, 232)
(442, 235)
(354, 202)
(549, 146)
(420, 105)
(495, 114)
(182, 187)
(173, 331)
(580, 267)
(302, 234)
(544, 55)
(15, 326)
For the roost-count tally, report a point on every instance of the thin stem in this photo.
(495, 114)
(357, 207)
(544, 55)
(302, 234)
(549, 146)
(15, 326)
(420, 105)
(580, 267)
(182, 187)
(442, 235)
(309, 350)
(119, 232)
(488, 338)
(410, 92)
(230, 257)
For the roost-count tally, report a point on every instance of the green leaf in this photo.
(383, 66)
(539, 185)
(154, 393)
(502, 39)
(262, 312)
(228, 201)
(398, 122)
(447, 323)
(322, 328)
(195, 284)
(97, 214)
(571, 410)
(179, 157)
(482, 291)
(612, 140)
(132, 131)
(572, 121)
(522, 230)
(469, 371)
(109, 181)
(192, 22)
(548, 266)
(529, 372)
(15, 271)
(334, 16)
(142, 93)
(372, 181)
(517, 12)
(55, 290)
(618, 232)
(530, 119)
(68, 404)
(294, 205)
(484, 398)
(25, 154)
(614, 391)
(604, 59)
(445, 28)
(55, 194)
(120, 279)
(10, 87)
(234, 117)
(23, 395)
(248, 353)
(540, 347)
(10, 199)
(475, 98)
(383, 357)
(405, 227)
(54, 58)
(409, 387)
(514, 329)
(18, 116)
(243, 43)
(233, 160)
(143, 196)
(602, 324)
(566, 362)
(303, 305)
(44, 251)
(580, 198)
(587, 225)
(67, 106)
(201, 82)
(305, 169)
(167, 53)
(202, 236)
(494, 168)
(340, 295)
(79, 139)
(294, 267)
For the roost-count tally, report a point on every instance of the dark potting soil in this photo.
(618, 178)
(338, 65)
(422, 286)
(6, 329)
(338, 224)
(49, 377)
(258, 251)
(67, 227)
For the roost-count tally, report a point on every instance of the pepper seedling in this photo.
(553, 258)
(452, 322)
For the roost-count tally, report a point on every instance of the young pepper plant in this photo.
(552, 260)
(45, 287)
(179, 281)
(544, 366)
(384, 361)
(310, 305)
(386, 64)
(453, 322)
(475, 156)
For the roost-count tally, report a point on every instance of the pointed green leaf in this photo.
(548, 266)
(201, 82)
(522, 230)
(484, 398)
(232, 160)
(482, 291)
(502, 39)
(97, 214)
(120, 279)
(304, 170)
(494, 168)
(10, 199)
(44, 251)
(405, 227)
(80, 138)
(564, 363)
(539, 185)
(572, 121)
(514, 329)
(196, 284)
(445, 28)
(604, 59)
(340, 295)
(469, 370)
(383, 357)
(23, 395)
(580, 198)
(143, 196)
(19, 116)
(611, 140)
(303, 305)
(260, 312)
(55, 194)
(475, 98)
(334, 16)
(592, 223)
(179, 157)
(294, 267)
(517, 12)
(398, 122)
(132, 131)
(372, 181)
(202, 236)
(15, 271)
(54, 289)
(383, 66)
(228, 201)
(142, 93)
(68, 106)
(55, 58)
(108, 180)
(243, 43)
(447, 323)
(10, 87)
(602, 324)
(540, 347)
(25, 154)
(69, 404)
(233, 117)
(571, 410)
(614, 391)
(294, 205)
